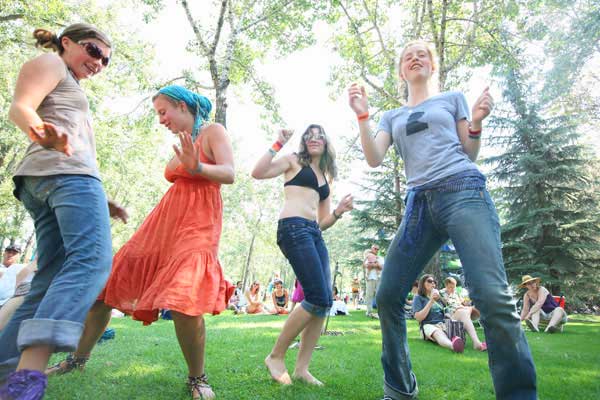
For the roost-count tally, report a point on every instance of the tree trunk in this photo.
(221, 104)
(25, 258)
(251, 249)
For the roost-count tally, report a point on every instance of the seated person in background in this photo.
(409, 299)
(252, 295)
(539, 303)
(10, 269)
(429, 311)
(280, 298)
(461, 310)
(237, 302)
(338, 307)
(23, 285)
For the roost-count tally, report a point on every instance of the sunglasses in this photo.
(430, 281)
(317, 136)
(95, 52)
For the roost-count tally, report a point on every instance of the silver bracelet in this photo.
(198, 169)
(273, 152)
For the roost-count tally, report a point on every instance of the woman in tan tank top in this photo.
(58, 183)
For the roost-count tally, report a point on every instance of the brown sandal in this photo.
(196, 385)
(69, 364)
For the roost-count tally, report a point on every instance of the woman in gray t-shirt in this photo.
(58, 183)
(447, 199)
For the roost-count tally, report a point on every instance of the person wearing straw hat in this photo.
(539, 303)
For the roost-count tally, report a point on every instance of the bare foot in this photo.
(480, 346)
(306, 377)
(203, 393)
(277, 370)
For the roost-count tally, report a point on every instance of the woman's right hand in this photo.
(435, 294)
(357, 98)
(51, 136)
(284, 135)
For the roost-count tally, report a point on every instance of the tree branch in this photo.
(199, 37)
(219, 27)
(264, 17)
(11, 17)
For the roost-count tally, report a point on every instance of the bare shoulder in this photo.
(215, 129)
(50, 63)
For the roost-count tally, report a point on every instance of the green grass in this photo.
(145, 363)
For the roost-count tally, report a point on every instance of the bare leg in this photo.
(275, 361)
(95, 324)
(35, 358)
(8, 309)
(464, 315)
(535, 319)
(310, 337)
(440, 338)
(557, 316)
(191, 335)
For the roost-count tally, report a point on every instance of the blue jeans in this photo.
(301, 242)
(469, 218)
(74, 250)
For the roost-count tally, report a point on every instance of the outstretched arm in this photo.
(267, 167)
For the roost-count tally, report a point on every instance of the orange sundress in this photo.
(171, 261)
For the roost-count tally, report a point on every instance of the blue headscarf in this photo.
(199, 104)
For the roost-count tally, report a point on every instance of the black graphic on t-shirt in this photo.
(413, 125)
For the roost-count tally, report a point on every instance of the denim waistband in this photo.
(466, 180)
(300, 221)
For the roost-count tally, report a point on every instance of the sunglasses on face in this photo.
(314, 136)
(95, 52)
(430, 281)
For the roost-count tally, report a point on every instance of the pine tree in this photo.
(549, 195)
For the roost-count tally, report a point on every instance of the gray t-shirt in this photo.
(436, 313)
(425, 136)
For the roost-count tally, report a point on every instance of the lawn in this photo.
(145, 363)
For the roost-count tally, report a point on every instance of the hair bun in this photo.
(46, 39)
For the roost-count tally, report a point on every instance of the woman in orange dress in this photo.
(171, 261)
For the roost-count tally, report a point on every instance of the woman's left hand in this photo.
(482, 107)
(346, 204)
(188, 154)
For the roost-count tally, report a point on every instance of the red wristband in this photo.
(364, 116)
(474, 134)
(277, 146)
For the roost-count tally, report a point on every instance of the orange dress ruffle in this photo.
(171, 260)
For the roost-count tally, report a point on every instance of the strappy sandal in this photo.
(198, 384)
(69, 364)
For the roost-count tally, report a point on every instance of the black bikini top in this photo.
(307, 178)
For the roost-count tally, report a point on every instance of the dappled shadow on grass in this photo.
(146, 363)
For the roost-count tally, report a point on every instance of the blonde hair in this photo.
(76, 32)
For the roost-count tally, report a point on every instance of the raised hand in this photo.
(482, 107)
(188, 154)
(51, 136)
(357, 98)
(284, 135)
(116, 211)
(346, 204)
